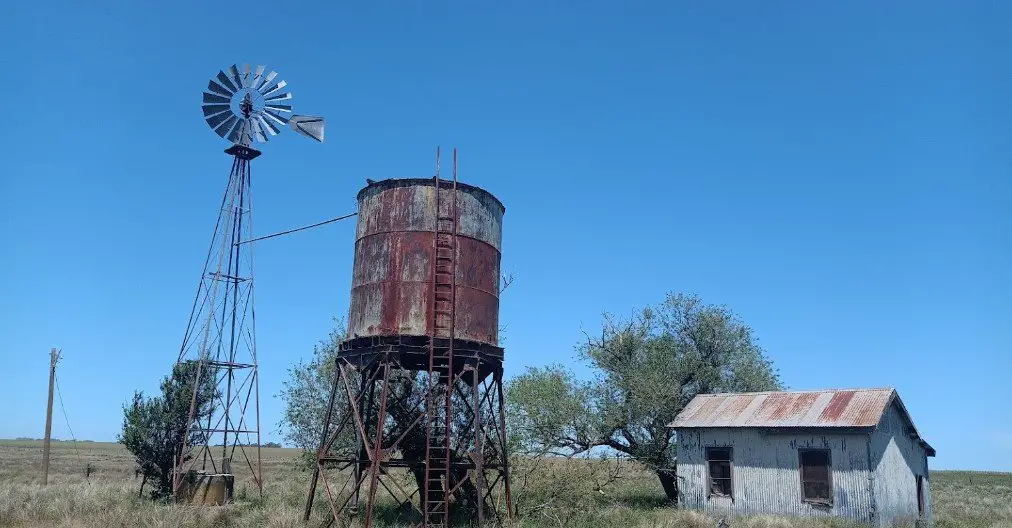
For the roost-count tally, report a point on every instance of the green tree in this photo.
(306, 392)
(645, 371)
(154, 428)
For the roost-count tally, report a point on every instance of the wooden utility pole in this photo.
(54, 356)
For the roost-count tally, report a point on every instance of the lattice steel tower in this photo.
(220, 338)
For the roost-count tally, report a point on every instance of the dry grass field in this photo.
(566, 494)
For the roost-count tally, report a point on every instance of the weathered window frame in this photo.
(730, 472)
(829, 475)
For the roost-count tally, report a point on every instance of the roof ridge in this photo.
(810, 391)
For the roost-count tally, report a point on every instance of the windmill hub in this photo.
(246, 106)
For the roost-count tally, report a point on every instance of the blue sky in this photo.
(836, 173)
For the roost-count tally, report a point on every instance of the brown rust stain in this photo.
(707, 410)
(775, 407)
(803, 403)
(837, 405)
(737, 405)
(869, 409)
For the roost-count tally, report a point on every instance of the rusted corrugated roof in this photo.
(826, 408)
(842, 408)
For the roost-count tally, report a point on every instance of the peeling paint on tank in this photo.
(391, 279)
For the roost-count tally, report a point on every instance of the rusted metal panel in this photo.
(391, 281)
(837, 405)
(407, 205)
(766, 478)
(829, 408)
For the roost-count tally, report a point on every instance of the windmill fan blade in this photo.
(224, 80)
(234, 73)
(274, 88)
(216, 120)
(257, 75)
(270, 126)
(218, 89)
(280, 97)
(245, 75)
(211, 98)
(309, 126)
(280, 119)
(270, 77)
(279, 107)
(222, 129)
(212, 109)
(237, 131)
(258, 131)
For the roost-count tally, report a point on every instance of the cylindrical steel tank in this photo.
(391, 293)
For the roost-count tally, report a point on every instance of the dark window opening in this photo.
(718, 462)
(920, 495)
(816, 476)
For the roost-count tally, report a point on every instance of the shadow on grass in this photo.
(390, 514)
(644, 501)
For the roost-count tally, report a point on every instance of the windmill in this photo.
(219, 344)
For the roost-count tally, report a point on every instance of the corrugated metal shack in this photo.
(845, 453)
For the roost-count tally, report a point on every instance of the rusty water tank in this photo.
(391, 291)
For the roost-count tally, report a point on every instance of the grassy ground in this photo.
(574, 494)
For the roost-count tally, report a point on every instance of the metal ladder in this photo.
(439, 405)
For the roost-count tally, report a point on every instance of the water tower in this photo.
(418, 379)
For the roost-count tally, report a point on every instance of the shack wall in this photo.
(898, 460)
(765, 472)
